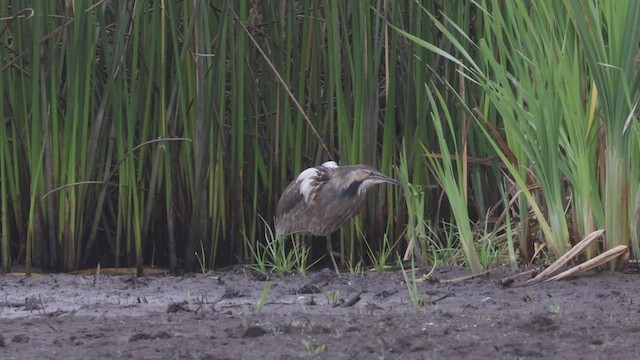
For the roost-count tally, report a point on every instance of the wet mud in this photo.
(229, 315)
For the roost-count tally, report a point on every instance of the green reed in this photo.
(135, 133)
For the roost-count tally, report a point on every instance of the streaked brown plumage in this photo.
(321, 199)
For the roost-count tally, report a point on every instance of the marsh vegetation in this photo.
(143, 134)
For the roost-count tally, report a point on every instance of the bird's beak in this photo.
(379, 178)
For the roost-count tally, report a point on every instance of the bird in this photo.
(322, 198)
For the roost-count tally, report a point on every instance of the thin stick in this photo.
(284, 85)
(468, 277)
(511, 279)
(115, 168)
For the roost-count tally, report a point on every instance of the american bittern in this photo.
(322, 198)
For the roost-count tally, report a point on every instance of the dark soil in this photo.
(215, 316)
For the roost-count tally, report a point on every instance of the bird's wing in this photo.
(291, 201)
(295, 208)
(312, 185)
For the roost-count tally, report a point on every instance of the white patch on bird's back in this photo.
(330, 164)
(305, 179)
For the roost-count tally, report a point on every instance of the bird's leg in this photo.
(330, 251)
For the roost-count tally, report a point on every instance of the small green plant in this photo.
(357, 269)
(314, 349)
(301, 257)
(489, 253)
(491, 248)
(332, 297)
(419, 303)
(202, 260)
(282, 261)
(379, 258)
(263, 298)
(448, 253)
(259, 255)
(274, 255)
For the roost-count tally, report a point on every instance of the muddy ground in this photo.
(217, 316)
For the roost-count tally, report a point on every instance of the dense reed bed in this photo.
(161, 133)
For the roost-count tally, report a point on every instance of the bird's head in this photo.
(359, 178)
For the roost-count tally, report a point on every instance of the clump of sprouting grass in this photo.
(489, 252)
(332, 296)
(379, 259)
(263, 298)
(419, 303)
(274, 256)
(447, 253)
(259, 255)
(356, 269)
(301, 257)
(282, 260)
(314, 349)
